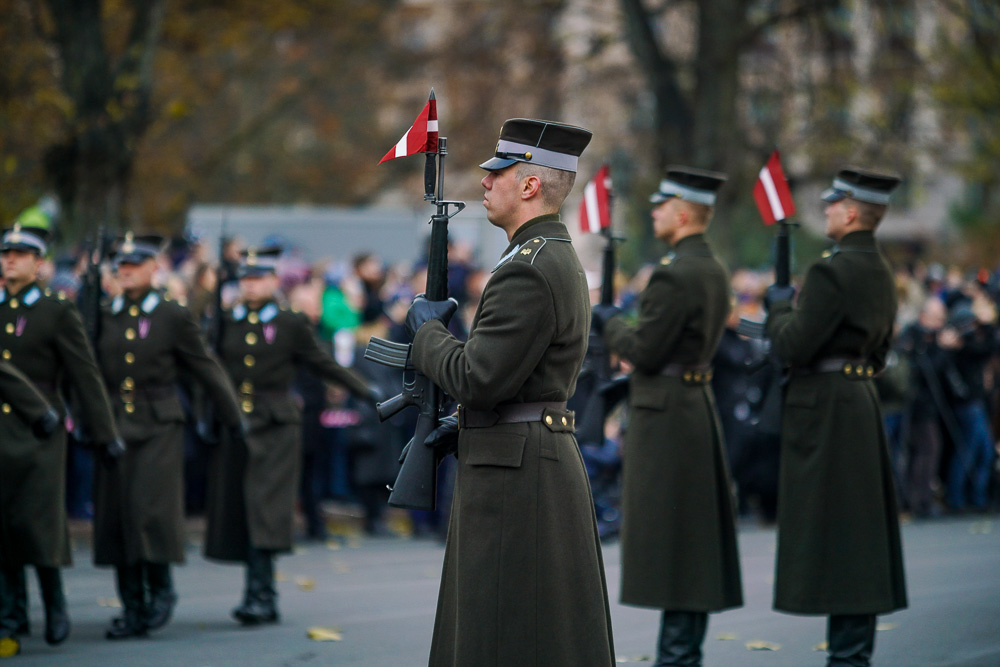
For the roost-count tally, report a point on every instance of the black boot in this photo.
(162, 596)
(19, 603)
(56, 615)
(681, 637)
(260, 601)
(851, 640)
(130, 589)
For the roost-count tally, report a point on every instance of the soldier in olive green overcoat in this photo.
(523, 580)
(839, 548)
(678, 536)
(146, 340)
(44, 338)
(253, 484)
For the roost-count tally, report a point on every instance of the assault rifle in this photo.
(416, 483)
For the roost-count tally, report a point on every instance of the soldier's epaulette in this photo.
(527, 251)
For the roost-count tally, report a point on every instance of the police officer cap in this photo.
(259, 261)
(540, 142)
(865, 186)
(31, 239)
(132, 249)
(697, 186)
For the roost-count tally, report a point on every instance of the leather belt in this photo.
(549, 412)
(689, 373)
(851, 367)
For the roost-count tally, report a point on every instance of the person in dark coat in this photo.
(43, 337)
(523, 580)
(678, 537)
(146, 341)
(839, 548)
(253, 483)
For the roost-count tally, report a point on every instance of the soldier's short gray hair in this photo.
(556, 183)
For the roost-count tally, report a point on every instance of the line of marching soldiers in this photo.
(123, 398)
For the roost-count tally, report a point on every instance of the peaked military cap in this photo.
(541, 142)
(132, 249)
(697, 186)
(861, 185)
(32, 239)
(259, 261)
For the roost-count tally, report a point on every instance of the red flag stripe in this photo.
(771, 192)
(422, 137)
(595, 208)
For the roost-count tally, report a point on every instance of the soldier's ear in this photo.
(531, 186)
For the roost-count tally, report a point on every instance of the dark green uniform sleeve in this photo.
(662, 315)
(17, 390)
(191, 352)
(515, 327)
(77, 359)
(309, 354)
(799, 333)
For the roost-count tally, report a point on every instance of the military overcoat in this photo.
(145, 344)
(44, 338)
(839, 548)
(678, 537)
(252, 489)
(523, 580)
(19, 395)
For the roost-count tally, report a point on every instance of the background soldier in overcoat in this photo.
(43, 337)
(839, 549)
(678, 538)
(523, 580)
(146, 341)
(253, 483)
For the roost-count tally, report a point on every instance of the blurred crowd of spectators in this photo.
(940, 391)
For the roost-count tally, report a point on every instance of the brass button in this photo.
(6, 354)
(697, 376)
(133, 310)
(537, 241)
(130, 408)
(708, 376)
(246, 387)
(250, 338)
(13, 304)
(130, 333)
(687, 376)
(247, 406)
(129, 358)
(6, 408)
(870, 371)
(565, 421)
(253, 318)
(249, 361)
(848, 368)
(128, 383)
(9, 328)
(859, 371)
(548, 419)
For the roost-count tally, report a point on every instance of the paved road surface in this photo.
(380, 596)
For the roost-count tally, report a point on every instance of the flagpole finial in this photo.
(432, 97)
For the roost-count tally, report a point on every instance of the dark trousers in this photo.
(850, 640)
(681, 636)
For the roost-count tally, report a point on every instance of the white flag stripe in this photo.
(593, 213)
(401, 145)
(432, 126)
(772, 194)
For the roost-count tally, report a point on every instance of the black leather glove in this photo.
(112, 451)
(600, 314)
(444, 439)
(47, 424)
(423, 311)
(776, 293)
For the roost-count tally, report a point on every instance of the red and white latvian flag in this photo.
(595, 209)
(774, 199)
(422, 137)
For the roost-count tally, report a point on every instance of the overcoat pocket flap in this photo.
(801, 398)
(285, 412)
(649, 392)
(167, 409)
(496, 449)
